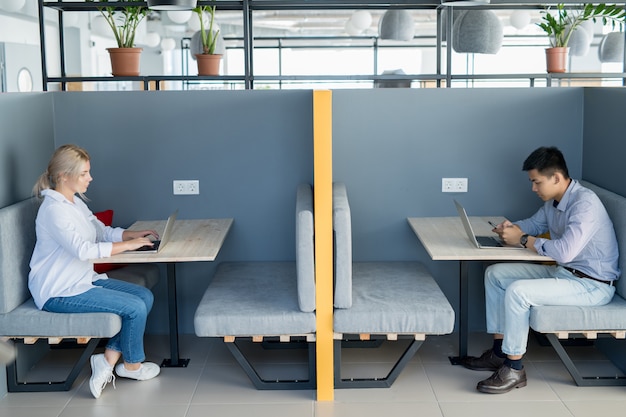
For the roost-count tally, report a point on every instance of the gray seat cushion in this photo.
(342, 225)
(17, 241)
(394, 297)
(252, 298)
(548, 319)
(615, 206)
(28, 321)
(305, 248)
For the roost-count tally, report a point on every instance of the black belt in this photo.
(580, 274)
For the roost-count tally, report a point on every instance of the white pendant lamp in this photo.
(519, 19)
(12, 5)
(171, 4)
(361, 19)
(168, 44)
(179, 16)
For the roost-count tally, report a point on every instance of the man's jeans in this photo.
(511, 289)
(129, 301)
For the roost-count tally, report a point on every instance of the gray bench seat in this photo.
(253, 298)
(394, 298)
(22, 321)
(381, 300)
(608, 318)
(266, 301)
(561, 322)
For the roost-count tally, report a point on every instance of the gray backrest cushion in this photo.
(342, 224)
(615, 205)
(17, 241)
(305, 250)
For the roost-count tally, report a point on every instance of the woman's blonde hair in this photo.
(67, 160)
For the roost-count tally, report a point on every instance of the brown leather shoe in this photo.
(488, 361)
(503, 380)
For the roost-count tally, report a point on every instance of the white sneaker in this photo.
(147, 370)
(101, 374)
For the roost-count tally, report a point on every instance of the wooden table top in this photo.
(191, 241)
(444, 238)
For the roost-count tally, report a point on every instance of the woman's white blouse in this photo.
(68, 237)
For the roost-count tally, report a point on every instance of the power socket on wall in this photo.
(454, 185)
(186, 187)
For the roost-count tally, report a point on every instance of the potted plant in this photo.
(560, 26)
(208, 60)
(124, 21)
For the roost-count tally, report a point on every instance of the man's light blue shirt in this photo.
(581, 233)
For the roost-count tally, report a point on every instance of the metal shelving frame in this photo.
(441, 77)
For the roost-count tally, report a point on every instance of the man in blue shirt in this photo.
(582, 242)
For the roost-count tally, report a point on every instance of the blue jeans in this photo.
(511, 289)
(129, 301)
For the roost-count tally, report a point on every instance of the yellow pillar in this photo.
(323, 198)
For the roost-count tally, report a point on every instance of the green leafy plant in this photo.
(560, 25)
(209, 38)
(124, 21)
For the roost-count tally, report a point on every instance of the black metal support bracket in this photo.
(582, 381)
(263, 384)
(51, 386)
(384, 382)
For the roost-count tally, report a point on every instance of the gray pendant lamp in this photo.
(396, 25)
(464, 2)
(477, 31)
(456, 13)
(172, 4)
(611, 48)
(579, 42)
(399, 83)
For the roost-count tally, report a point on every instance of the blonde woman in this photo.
(62, 279)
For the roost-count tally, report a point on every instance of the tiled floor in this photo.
(215, 385)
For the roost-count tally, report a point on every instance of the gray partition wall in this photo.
(26, 143)
(604, 138)
(392, 148)
(248, 149)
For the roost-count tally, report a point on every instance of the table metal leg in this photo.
(463, 311)
(172, 301)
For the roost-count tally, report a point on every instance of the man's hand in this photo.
(509, 232)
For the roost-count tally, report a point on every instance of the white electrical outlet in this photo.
(454, 185)
(186, 187)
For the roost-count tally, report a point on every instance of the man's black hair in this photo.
(546, 160)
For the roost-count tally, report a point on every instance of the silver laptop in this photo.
(480, 242)
(165, 237)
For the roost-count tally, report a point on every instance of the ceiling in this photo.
(332, 23)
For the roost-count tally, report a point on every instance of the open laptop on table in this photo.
(480, 242)
(165, 237)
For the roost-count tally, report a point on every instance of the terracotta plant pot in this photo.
(556, 59)
(208, 64)
(125, 61)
